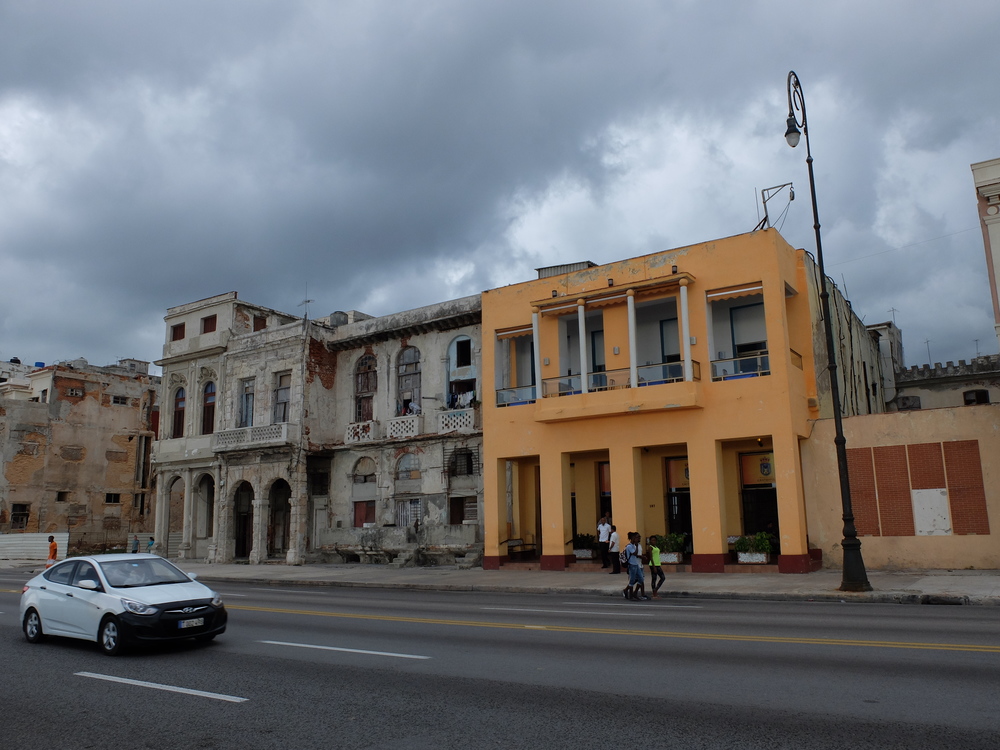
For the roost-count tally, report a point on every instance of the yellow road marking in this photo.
(642, 633)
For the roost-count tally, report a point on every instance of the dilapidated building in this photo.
(199, 418)
(347, 437)
(402, 482)
(74, 451)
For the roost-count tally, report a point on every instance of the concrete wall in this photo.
(946, 385)
(901, 465)
(63, 458)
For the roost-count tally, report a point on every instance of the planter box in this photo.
(753, 558)
(671, 558)
(584, 554)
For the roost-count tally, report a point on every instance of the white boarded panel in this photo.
(931, 515)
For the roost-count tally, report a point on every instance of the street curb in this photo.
(879, 597)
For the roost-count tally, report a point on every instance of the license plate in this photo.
(195, 623)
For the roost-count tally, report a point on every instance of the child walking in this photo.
(655, 571)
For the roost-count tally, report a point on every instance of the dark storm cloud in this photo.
(383, 155)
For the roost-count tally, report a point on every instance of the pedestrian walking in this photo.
(149, 545)
(135, 544)
(616, 566)
(656, 577)
(603, 535)
(53, 552)
(636, 588)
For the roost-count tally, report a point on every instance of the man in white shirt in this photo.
(603, 535)
(616, 566)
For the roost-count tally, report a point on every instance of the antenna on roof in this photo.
(305, 303)
(765, 195)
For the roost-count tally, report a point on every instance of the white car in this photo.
(119, 599)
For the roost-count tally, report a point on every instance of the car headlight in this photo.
(138, 608)
(216, 599)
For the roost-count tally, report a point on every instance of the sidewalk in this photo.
(979, 587)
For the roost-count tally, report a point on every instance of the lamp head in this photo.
(792, 134)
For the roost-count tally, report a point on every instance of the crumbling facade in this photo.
(268, 450)
(75, 441)
(202, 411)
(402, 480)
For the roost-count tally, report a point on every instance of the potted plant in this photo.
(672, 547)
(754, 549)
(584, 546)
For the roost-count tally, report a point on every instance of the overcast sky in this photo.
(380, 156)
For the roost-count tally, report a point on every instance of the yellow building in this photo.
(671, 390)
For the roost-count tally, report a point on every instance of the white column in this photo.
(686, 332)
(261, 517)
(187, 529)
(633, 365)
(216, 511)
(581, 324)
(161, 525)
(537, 350)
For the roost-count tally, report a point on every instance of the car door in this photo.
(84, 607)
(53, 595)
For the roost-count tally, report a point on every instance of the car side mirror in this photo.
(89, 584)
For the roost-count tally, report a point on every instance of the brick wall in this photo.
(882, 479)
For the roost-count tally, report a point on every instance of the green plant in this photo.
(674, 542)
(584, 541)
(759, 542)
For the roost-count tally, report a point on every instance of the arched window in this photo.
(365, 385)
(364, 470)
(178, 424)
(408, 384)
(408, 467)
(208, 410)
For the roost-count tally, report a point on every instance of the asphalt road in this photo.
(365, 668)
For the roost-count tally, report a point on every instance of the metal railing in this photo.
(524, 394)
(738, 368)
(606, 380)
(564, 385)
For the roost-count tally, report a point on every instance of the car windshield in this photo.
(125, 574)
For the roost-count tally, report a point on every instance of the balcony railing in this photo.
(408, 426)
(250, 437)
(667, 372)
(524, 394)
(457, 420)
(564, 385)
(741, 367)
(361, 432)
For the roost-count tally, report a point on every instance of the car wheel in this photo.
(33, 626)
(109, 636)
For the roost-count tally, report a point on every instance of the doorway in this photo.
(678, 505)
(279, 524)
(759, 496)
(243, 520)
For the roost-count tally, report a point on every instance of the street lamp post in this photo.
(855, 577)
